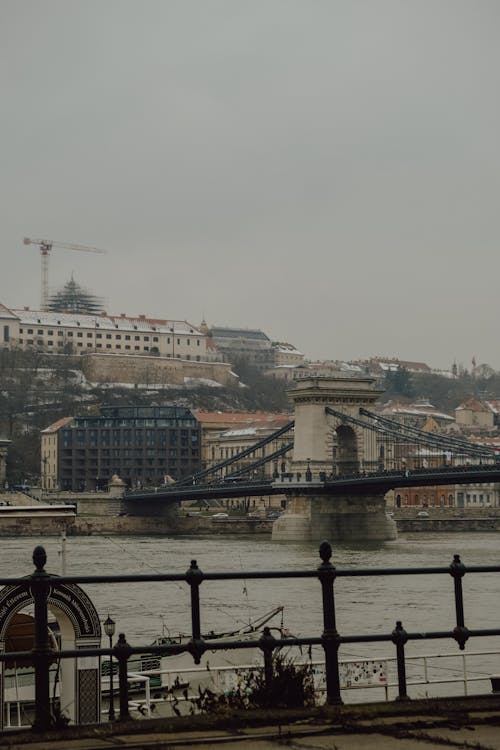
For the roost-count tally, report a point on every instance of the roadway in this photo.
(357, 483)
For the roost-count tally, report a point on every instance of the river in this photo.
(363, 604)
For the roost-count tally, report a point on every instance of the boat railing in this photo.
(357, 674)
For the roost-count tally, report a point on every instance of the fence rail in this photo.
(40, 583)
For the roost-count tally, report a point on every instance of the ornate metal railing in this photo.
(40, 583)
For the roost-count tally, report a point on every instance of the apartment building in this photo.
(143, 445)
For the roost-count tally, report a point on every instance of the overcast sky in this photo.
(326, 170)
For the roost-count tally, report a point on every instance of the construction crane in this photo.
(45, 250)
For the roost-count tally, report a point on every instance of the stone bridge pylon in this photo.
(325, 443)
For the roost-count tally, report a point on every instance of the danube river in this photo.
(364, 605)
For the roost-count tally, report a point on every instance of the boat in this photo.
(179, 672)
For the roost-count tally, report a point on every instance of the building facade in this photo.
(252, 345)
(143, 445)
(70, 333)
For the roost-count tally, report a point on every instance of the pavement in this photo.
(420, 725)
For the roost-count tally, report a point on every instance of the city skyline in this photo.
(327, 173)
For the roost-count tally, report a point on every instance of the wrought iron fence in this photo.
(40, 583)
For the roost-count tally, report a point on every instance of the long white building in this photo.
(71, 333)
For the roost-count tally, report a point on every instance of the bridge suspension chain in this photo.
(404, 433)
(237, 457)
(446, 442)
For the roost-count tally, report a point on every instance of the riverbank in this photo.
(96, 513)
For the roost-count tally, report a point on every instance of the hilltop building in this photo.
(252, 345)
(73, 333)
(475, 415)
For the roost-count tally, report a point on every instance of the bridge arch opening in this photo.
(345, 450)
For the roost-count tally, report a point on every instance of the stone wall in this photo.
(152, 371)
(341, 518)
(36, 525)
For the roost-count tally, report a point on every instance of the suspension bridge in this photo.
(335, 461)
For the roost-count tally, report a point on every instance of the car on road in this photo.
(422, 514)
(220, 515)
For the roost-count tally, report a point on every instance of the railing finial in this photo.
(39, 558)
(325, 551)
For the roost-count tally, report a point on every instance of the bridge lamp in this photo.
(109, 629)
(308, 471)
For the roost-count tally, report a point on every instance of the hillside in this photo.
(36, 390)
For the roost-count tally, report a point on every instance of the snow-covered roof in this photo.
(6, 313)
(109, 322)
(245, 431)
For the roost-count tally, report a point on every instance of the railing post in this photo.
(41, 651)
(330, 637)
(194, 577)
(121, 651)
(399, 638)
(267, 642)
(457, 571)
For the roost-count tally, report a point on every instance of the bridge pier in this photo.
(343, 518)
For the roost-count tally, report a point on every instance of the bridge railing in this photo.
(41, 582)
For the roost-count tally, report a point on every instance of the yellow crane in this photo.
(45, 250)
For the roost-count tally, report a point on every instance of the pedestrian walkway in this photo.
(420, 725)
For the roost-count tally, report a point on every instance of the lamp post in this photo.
(109, 629)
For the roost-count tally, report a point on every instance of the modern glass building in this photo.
(143, 445)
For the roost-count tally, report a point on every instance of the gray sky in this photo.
(326, 170)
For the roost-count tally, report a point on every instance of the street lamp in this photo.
(109, 629)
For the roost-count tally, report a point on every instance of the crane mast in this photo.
(45, 250)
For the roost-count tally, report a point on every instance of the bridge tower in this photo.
(326, 443)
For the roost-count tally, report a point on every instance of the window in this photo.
(108, 335)
(155, 338)
(50, 343)
(118, 336)
(79, 334)
(146, 338)
(60, 333)
(6, 333)
(98, 346)
(79, 343)
(98, 335)
(118, 346)
(137, 338)
(108, 346)
(136, 348)
(127, 346)
(146, 348)
(70, 334)
(178, 342)
(60, 343)
(50, 333)
(89, 335)
(30, 330)
(127, 338)
(40, 332)
(189, 342)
